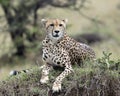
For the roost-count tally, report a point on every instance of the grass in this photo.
(97, 72)
(105, 11)
(108, 46)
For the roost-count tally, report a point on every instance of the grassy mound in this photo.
(100, 78)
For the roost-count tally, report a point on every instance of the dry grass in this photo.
(108, 46)
(91, 79)
(106, 11)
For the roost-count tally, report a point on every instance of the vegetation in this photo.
(99, 78)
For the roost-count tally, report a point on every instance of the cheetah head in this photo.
(55, 28)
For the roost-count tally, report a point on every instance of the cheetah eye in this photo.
(51, 24)
(60, 25)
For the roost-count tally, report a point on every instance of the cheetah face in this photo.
(55, 28)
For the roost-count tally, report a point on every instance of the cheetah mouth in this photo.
(56, 35)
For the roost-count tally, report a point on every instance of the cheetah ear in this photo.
(65, 20)
(43, 21)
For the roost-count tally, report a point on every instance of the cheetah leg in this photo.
(45, 72)
(57, 84)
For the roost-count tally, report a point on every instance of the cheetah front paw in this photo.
(56, 87)
(44, 80)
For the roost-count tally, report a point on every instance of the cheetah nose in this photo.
(56, 31)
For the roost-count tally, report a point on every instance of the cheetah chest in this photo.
(55, 55)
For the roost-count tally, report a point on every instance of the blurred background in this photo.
(94, 22)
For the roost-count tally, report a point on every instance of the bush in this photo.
(99, 78)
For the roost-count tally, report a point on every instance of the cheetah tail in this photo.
(15, 72)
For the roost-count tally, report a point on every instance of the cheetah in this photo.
(61, 50)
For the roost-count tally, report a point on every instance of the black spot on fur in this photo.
(24, 71)
(46, 56)
(44, 59)
(15, 73)
(58, 62)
